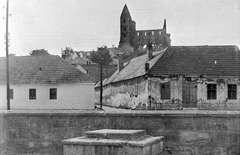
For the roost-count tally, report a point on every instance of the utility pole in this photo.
(7, 59)
(101, 83)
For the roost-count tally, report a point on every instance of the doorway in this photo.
(189, 94)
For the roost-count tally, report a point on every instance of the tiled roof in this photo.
(41, 70)
(134, 68)
(116, 51)
(198, 60)
(77, 61)
(94, 71)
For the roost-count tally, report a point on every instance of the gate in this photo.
(189, 94)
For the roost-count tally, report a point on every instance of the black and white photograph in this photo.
(120, 77)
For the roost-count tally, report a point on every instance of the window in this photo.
(137, 33)
(136, 90)
(124, 35)
(88, 62)
(211, 91)
(124, 20)
(159, 32)
(11, 94)
(53, 93)
(152, 32)
(232, 91)
(165, 91)
(124, 28)
(32, 94)
(189, 79)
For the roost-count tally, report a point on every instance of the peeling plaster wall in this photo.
(222, 102)
(175, 101)
(126, 94)
(142, 93)
(123, 94)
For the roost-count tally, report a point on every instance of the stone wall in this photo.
(186, 132)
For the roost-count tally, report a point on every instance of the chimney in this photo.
(165, 26)
(146, 66)
(150, 51)
(120, 65)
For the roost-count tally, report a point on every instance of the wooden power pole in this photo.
(7, 58)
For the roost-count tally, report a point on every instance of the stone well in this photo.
(114, 142)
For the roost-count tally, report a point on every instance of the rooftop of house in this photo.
(40, 70)
(94, 71)
(79, 60)
(84, 53)
(115, 51)
(198, 60)
(183, 60)
(134, 68)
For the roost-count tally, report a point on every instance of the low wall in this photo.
(186, 132)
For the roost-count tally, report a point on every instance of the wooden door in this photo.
(189, 94)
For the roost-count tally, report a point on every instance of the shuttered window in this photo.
(165, 91)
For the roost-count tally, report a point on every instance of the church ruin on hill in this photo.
(132, 39)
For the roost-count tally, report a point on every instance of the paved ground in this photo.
(185, 111)
(192, 111)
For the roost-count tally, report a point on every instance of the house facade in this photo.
(45, 82)
(202, 77)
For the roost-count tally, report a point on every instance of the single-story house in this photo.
(203, 77)
(45, 82)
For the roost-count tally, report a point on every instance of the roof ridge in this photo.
(156, 59)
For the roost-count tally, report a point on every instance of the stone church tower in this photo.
(127, 29)
(132, 39)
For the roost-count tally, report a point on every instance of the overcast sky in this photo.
(88, 24)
